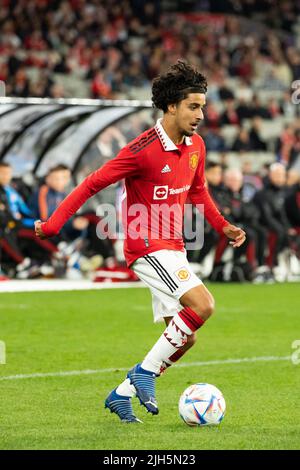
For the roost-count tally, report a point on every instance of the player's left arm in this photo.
(199, 195)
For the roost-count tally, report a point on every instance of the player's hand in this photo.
(38, 230)
(236, 234)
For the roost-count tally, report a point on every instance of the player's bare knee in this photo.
(205, 309)
(209, 309)
(200, 301)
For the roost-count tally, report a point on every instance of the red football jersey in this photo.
(158, 175)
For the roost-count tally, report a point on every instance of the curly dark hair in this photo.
(174, 85)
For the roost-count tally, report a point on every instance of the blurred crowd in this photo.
(86, 48)
(118, 46)
(74, 253)
(247, 121)
(267, 206)
(98, 43)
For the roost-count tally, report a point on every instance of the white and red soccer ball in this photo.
(202, 404)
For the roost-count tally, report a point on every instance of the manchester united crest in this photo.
(182, 274)
(194, 158)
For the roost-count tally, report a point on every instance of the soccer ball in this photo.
(202, 404)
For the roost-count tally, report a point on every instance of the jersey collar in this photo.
(165, 140)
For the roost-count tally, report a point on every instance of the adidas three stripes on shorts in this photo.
(168, 275)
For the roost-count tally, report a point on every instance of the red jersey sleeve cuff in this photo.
(221, 225)
(47, 230)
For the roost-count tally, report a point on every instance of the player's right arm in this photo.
(199, 194)
(125, 164)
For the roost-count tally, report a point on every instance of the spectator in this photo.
(213, 139)
(244, 110)
(212, 118)
(213, 175)
(275, 108)
(252, 181)
(17, 207)
(288, 145)
(21, 225)
(245, 213)
(292, 178)
(256, 142)
(258, 109)
(242, 142)
(230, 115)
(292, 201)
(100, 87)
(271, 203)
(81, 230)
(23, 266)
(45, 200)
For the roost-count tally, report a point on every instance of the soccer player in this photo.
(163, 166)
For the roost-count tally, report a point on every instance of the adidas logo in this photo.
(166, 169)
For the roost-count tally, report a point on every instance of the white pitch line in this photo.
(122, 369)
(62, 285)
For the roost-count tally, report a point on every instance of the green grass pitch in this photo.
(110, 329)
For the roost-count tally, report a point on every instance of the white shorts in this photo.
(168, 275)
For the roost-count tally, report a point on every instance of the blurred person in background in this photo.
(18, 208)
(13, 211)
(243, 211)
(78, 240)
(292, 179)
(292, 206)
(213, 174)
(48, 196)
(288, 145)
(271, 204)
(230, 115)
(242, 142)
(252, 180)
(256, 141)
(213, 139)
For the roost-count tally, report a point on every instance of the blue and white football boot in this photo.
(144, 383)
(122, 406)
